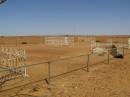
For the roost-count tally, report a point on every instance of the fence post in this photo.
(123, 51)
(25, 68)
(88, 57)
(108, 57)
(49, 72)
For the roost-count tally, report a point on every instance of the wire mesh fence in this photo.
(63, 66)
(10, 78)
(46, 71)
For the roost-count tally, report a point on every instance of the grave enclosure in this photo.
(11, 59)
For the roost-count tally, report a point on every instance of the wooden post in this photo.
(25, 68)
(49, 72)
(88, 57)
(9, 62)
(16, 61)
(108, 57)
(123, 51)
(25, 72)
(13, 62)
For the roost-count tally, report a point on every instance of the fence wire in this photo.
(50, 69)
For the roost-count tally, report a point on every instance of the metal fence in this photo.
(46, 71)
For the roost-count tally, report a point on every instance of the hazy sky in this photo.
(35, 17)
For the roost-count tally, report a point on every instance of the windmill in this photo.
(2, 1)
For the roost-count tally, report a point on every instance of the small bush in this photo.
(82, 40)
(24, 43)
(97, 40)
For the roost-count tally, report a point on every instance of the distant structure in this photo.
(129, 43)
(59, 40)
(2, 1)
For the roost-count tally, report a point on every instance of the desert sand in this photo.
(102, 80)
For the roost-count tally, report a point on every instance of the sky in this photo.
(65, 17)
